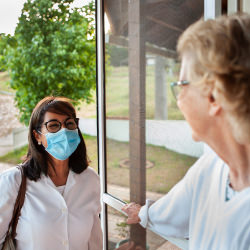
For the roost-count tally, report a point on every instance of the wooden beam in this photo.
(164, 24)
(152, 49)
(232, 6)
(245, 6)
(137, 112)
(156, 1)
(161, 111)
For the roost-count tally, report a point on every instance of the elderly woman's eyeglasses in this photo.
(54, 125)
(176, 87)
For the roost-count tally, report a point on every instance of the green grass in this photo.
(117, 94)
(169, 167)
(14, 157)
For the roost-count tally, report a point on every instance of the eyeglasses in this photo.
(54, 125)
(176, 87)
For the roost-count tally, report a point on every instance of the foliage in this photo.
(53, 53)
(3, 45)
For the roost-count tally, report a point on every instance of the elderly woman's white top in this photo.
(197, 208)
(50, 220)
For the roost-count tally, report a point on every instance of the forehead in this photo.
(188, 69)
(50, 116)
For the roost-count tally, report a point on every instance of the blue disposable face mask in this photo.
(63, 143)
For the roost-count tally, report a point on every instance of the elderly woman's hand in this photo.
(132, 210)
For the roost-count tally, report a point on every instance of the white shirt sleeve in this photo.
(9, 185)
(95, 241)
(170, 215)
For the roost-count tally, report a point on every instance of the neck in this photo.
(237, 157)
(59, 172)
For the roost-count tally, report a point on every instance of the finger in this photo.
(128, 207)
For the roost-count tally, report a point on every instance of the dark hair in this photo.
(37, 158)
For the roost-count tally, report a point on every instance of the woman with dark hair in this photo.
(62, 199)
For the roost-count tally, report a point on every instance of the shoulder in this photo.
(89, 175)
(10, 179)
(206, 163)
(204, 169)
(90, 172)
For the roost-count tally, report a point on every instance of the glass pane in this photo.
(117, 102)
(141, 61)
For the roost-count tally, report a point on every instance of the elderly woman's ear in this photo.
(214, 106)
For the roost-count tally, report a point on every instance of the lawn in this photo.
(117, 96)
(118, 101)
(169, 167)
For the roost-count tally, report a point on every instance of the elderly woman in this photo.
(211, 204)
(62, 199)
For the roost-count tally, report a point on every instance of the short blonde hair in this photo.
(221, 51)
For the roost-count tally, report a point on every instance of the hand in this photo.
(129, 246)
(132, 210)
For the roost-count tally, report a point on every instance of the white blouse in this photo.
(49, 219)
(197, 208)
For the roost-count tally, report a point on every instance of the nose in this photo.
(63, 125)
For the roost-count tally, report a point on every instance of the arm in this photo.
(169, 216)
(95, 241)
(9, 186)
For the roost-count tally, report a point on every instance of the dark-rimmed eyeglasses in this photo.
(54, 125)
(176, 87)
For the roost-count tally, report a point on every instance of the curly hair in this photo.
(221, 60)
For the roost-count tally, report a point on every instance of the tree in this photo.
(54, 53)
(3, 45)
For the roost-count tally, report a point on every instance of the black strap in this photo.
(17, 207)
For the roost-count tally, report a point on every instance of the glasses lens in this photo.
(53, 126)
(71, 124)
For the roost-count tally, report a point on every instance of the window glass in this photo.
(143, 123)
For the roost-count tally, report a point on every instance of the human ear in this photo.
(214, 106)
(37, 137)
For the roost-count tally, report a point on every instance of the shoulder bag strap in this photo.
(18, 206)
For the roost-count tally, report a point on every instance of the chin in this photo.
(196, 138)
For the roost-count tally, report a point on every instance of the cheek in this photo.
(44, 142)
(182, 105)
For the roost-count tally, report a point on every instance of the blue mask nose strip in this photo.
(63, 143)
